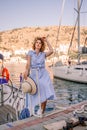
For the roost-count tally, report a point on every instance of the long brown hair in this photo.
(42, 42)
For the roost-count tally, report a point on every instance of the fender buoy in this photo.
(5, 73)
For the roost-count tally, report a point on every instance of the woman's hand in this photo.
(26, 74)
(45, 39)
(50, 51)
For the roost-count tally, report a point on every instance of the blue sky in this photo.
(33, 13)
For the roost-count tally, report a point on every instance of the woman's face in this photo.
(38, 44)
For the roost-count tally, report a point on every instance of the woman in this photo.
(36, 62)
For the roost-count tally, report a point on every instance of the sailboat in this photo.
(77, 72)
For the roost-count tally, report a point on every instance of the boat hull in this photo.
(73, 73)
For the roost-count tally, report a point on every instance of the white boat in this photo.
(78, 72)
(75, 73)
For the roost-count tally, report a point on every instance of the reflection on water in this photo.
(69, 92)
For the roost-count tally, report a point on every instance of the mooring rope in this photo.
(60, 20)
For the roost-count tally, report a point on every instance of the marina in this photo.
(68, 111)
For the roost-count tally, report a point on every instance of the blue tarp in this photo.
(3, 81)
(1, 57)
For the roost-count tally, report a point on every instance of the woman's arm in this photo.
(27, 68)
(50, 51)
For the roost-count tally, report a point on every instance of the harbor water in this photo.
(69, 93)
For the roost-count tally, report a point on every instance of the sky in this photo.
(38, 13)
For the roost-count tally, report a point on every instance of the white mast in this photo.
(78, 30)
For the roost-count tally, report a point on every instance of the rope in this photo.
(60, 19)
(74, 28)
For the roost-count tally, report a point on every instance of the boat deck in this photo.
(37, 123)
(7, 114)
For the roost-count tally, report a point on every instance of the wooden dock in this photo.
(49, 119)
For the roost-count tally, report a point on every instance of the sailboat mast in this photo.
(78, 30)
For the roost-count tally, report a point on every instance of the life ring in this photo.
(5, 73)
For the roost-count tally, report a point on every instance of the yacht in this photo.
(77, 72)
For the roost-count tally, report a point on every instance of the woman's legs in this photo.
(43, 106)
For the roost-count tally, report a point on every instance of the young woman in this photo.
(36, 62)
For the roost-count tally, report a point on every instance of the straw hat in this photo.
(29, 86)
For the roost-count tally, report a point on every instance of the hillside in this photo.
(23, 37)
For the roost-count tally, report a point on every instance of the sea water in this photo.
(69, 93)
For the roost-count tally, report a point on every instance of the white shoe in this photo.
(39, 112)
(32, 112)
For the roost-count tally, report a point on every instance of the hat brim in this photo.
(29, 86)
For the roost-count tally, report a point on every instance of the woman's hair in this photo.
(42, 42)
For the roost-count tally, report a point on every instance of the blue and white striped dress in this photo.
(44, 82)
